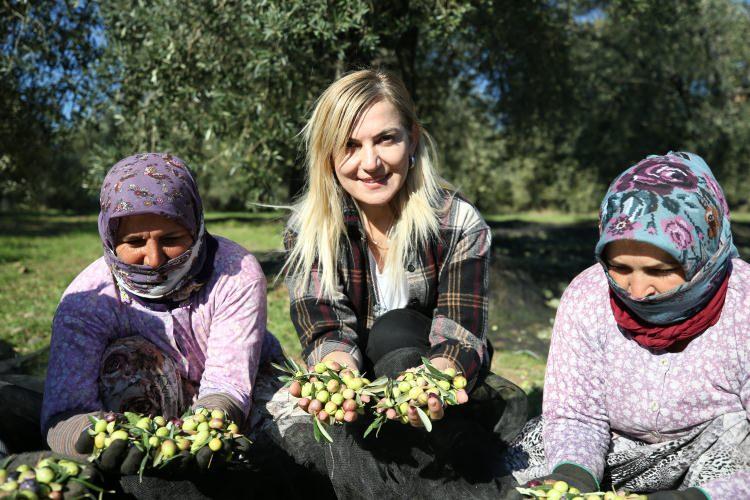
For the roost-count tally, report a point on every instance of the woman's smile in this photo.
(376, 182)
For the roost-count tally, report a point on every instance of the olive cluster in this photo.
(560, 490)
(414, 388)
(163, 439)
(48, 479)
(331, 393)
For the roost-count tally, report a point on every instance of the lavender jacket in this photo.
(216, 337)
(598, 381)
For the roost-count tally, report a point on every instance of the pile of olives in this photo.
(163, 439)
(330, 393)
(560, 490)
(50, 478)
(333, 394)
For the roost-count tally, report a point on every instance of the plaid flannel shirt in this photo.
(448, 280)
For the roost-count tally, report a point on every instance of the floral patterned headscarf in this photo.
(674, 203)
(152, 183)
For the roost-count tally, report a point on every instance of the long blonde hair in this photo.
(317, 219)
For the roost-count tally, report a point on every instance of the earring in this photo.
(412, 161)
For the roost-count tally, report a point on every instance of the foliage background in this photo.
(534, 104)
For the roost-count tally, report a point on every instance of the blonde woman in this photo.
(386, 262)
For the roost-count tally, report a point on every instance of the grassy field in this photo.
(532, 261)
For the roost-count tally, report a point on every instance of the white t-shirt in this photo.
(389, 294)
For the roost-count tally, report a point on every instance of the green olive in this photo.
(119, 434)
(168, 448)
(355, 384)
(45, 475)
(100, 426)
(215, 444)
(560, 486)
(337, 399)
(9, 486)
(27, 474)
(320, 368)
(144, 423)
(459, 382)
(160, 421)
(322, 396)
(99, 440)
(189, 425)
(415, 392)
(162, 432)
(203, 426)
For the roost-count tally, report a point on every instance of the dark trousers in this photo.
(20, 426)
(461, 457)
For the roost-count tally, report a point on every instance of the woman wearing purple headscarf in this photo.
(169, 318)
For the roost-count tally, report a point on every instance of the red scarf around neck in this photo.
(665, 336)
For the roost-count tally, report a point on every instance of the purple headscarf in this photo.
(160, 184)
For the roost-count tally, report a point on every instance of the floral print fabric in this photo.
(674, 203)
(160, 184)
(136, 376)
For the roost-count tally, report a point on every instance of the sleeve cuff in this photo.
(579, 472)
(325, 348)
(64, 430)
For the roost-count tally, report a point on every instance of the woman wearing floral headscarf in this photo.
(170, 317)
(648, 379)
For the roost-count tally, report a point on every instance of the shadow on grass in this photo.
(31, 225)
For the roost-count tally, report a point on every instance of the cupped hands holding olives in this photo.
(333, 393)
(131, 443)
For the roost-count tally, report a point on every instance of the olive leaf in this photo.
(376, 424)
(322, 430)
(424, 418)
(434, 371)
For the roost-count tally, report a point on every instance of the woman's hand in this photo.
(342, 358)
(436, 412)
(434, 406)
(442, 363)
